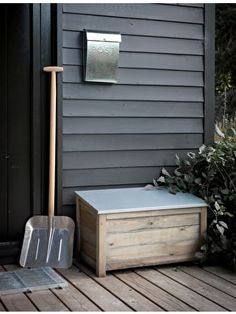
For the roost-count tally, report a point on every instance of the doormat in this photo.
(27, 280)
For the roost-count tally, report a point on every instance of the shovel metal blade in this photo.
(48, 241)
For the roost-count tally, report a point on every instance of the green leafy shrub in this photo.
(211, 175)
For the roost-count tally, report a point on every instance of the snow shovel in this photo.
(48, 240)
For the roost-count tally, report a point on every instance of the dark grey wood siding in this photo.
(115, 135)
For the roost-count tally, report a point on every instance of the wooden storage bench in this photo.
(122, 228)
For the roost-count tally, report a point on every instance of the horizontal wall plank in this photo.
(132, 92)
(143, 44)
(154, 12)
(73, 74)
(144, 60)
(126, 26)
(112, 159)
(116, 108)
(108, 142)
(109, 176)
(131, 125)
(194, 5)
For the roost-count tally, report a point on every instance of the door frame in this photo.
(41, 27)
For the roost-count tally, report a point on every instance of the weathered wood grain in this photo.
(88, 249)
(74, 299)
(87, 234)
(158, 236)
(87, 259)
(165, 212)
(101, 236)
(95, 292)
(18, 302)
(168, 249)
(148, 261)
(222, 272)
(87, 218)
(211, 279)
(46, 301)
(129, 296)
(181, 292)
(152, 292)
(202, 288)
(152, 222)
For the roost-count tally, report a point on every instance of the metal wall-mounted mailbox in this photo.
(101, 55)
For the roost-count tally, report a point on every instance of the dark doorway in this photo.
(22, 134)
(15, 122)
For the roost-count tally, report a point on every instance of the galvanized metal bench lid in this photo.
(137, 199)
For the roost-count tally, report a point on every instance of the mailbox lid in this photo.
(99, 36)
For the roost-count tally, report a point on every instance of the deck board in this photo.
(154, 293)
(18, 302)
(179, 291)
(95, 292)
(223, 273)
(211, 279)
(75, 300)
(129, 296)
(45, 301)
(164, 288)
(201, 288)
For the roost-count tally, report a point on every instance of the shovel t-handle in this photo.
(52, 148)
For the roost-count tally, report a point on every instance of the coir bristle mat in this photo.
(26, 280)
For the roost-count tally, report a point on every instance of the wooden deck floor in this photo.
(179, 288)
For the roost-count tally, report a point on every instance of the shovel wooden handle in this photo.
(52, 148)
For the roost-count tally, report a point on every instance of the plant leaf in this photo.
(202, 148)
(149, 187)
(223, 224)
(225, 191)
(155, 182)
(220, 229)
(161, 179)
(165, 172)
